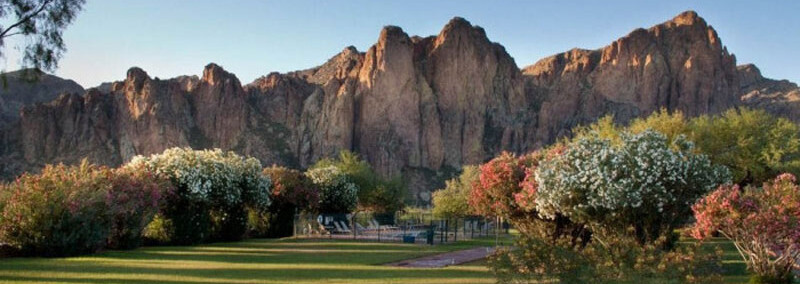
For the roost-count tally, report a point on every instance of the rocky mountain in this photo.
(27, 87)
(420, 107)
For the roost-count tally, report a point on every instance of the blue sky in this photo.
(253, 38)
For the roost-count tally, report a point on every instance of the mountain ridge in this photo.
(414, 106)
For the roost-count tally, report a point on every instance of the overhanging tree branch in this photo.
(24, 19)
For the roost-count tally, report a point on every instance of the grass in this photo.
(272, 261)
(251, 261)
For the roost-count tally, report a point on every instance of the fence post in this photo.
(455, 232)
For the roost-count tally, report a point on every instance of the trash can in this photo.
(409, 239)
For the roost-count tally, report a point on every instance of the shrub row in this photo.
(78, 209)
(181, 196)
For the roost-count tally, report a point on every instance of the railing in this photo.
(422, 228)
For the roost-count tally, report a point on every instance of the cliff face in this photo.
(680, 64)
(26, 87)
(411, 106)
(781, 98)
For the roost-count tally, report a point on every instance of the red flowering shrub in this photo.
(293, 187)
(136, 195)
(292, 192)
(764, 225)
(494, 192)
(61, 211)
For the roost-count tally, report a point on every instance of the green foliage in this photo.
(617, 260)
(755, 145)
(41, 24)
(375, 193)
(452, 201)
(337, 193)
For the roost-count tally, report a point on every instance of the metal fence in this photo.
(421, 228)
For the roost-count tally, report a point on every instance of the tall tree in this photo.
(41, 23)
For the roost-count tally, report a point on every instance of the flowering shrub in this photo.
(292, 187)
(61, 211)
(212, 189)
(292, 192)
(645, 182)
(136, 195)
(499, 181)
(764, 225)
(337, 193)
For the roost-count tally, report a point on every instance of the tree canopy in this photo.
(42, 24)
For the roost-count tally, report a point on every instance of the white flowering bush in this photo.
(337, 193)
(213, 189)
(645, 182)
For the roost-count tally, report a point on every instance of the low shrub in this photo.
(618, 260)
(763, 224)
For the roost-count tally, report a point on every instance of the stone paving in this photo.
(446, 259)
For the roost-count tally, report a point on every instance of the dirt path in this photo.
(446, 259)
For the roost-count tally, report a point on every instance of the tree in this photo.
(41, 23)
(763, 224)
(452, 201)
(753, 144)
(337, 193)
(375, 193)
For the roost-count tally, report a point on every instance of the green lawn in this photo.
(268, 261)
(251, 261)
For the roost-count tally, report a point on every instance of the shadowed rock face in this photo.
(412, 106)
(17, 91)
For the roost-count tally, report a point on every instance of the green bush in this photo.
(60, 212)
(755, 145)
(452, 201)
(375, 194)
(617, 260)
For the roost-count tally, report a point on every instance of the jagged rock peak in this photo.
(213, 74)
(349, 50)
(392, 33)
(688, 18)
(136, 74)
(460, 27)
(749, 74)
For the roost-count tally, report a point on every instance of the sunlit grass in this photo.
(252, 261)
(272, 261)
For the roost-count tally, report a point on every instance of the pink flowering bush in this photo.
(493, 193)
(61, 211)
(135, 197)
(70, 210)
(764, 225)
